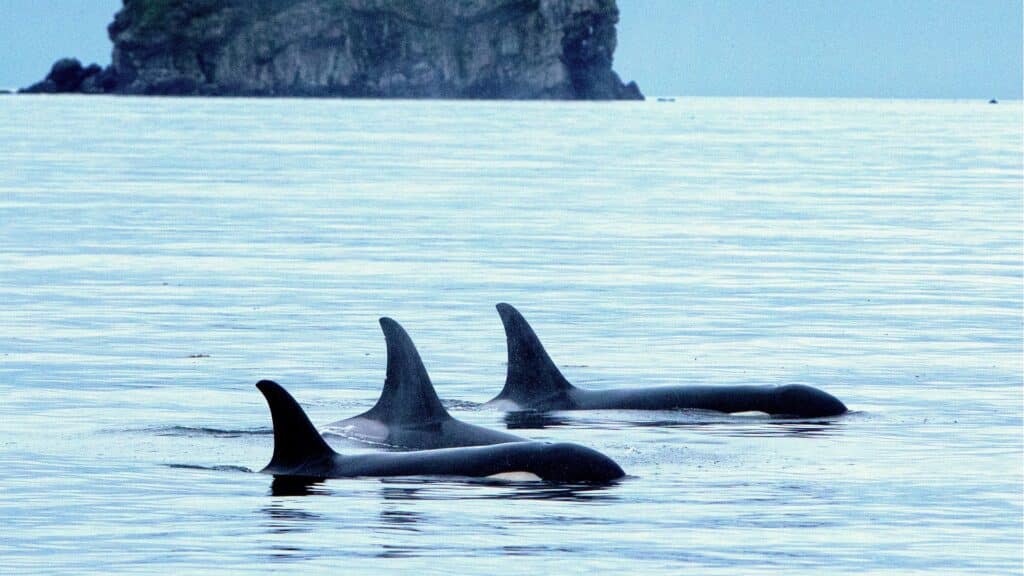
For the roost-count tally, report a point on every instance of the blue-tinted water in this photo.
(159, 256)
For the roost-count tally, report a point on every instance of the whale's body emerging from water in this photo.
(533, 382)
(409, 414)
(300, 451)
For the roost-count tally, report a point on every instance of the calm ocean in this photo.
(159, 256)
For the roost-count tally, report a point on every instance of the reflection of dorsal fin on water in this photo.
(408, 397)
(296, 440)
(531, 375)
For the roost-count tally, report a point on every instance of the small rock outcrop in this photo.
(509, 49)
(68, 75)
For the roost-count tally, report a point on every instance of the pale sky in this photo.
(823, 48)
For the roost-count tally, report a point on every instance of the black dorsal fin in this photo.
(531, 376)
(408, 397)
(296, 440)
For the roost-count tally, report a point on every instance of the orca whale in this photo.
(300, 451)
(533, 382)
(409, 414)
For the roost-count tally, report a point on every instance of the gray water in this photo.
(159, 256)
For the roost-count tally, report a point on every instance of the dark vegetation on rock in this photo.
(68, 75)
(511, 49)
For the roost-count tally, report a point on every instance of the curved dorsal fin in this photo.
(296, 440)
(531, 375)
(408, 397)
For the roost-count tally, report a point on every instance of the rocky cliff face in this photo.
(361, 48)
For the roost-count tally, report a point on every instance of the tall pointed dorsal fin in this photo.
(531, 375)
(296, 440)
(408, 397)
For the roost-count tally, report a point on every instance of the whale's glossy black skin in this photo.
(409, 414)
(300, 451)
(533, 382)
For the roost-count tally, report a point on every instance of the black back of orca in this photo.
(533, 382)
(300, 451)
(408, 413)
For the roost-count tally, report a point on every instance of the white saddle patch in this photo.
(503, 405)
(360, 429)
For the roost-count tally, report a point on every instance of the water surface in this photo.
(159, 256)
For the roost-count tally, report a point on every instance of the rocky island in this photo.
(509, 49)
